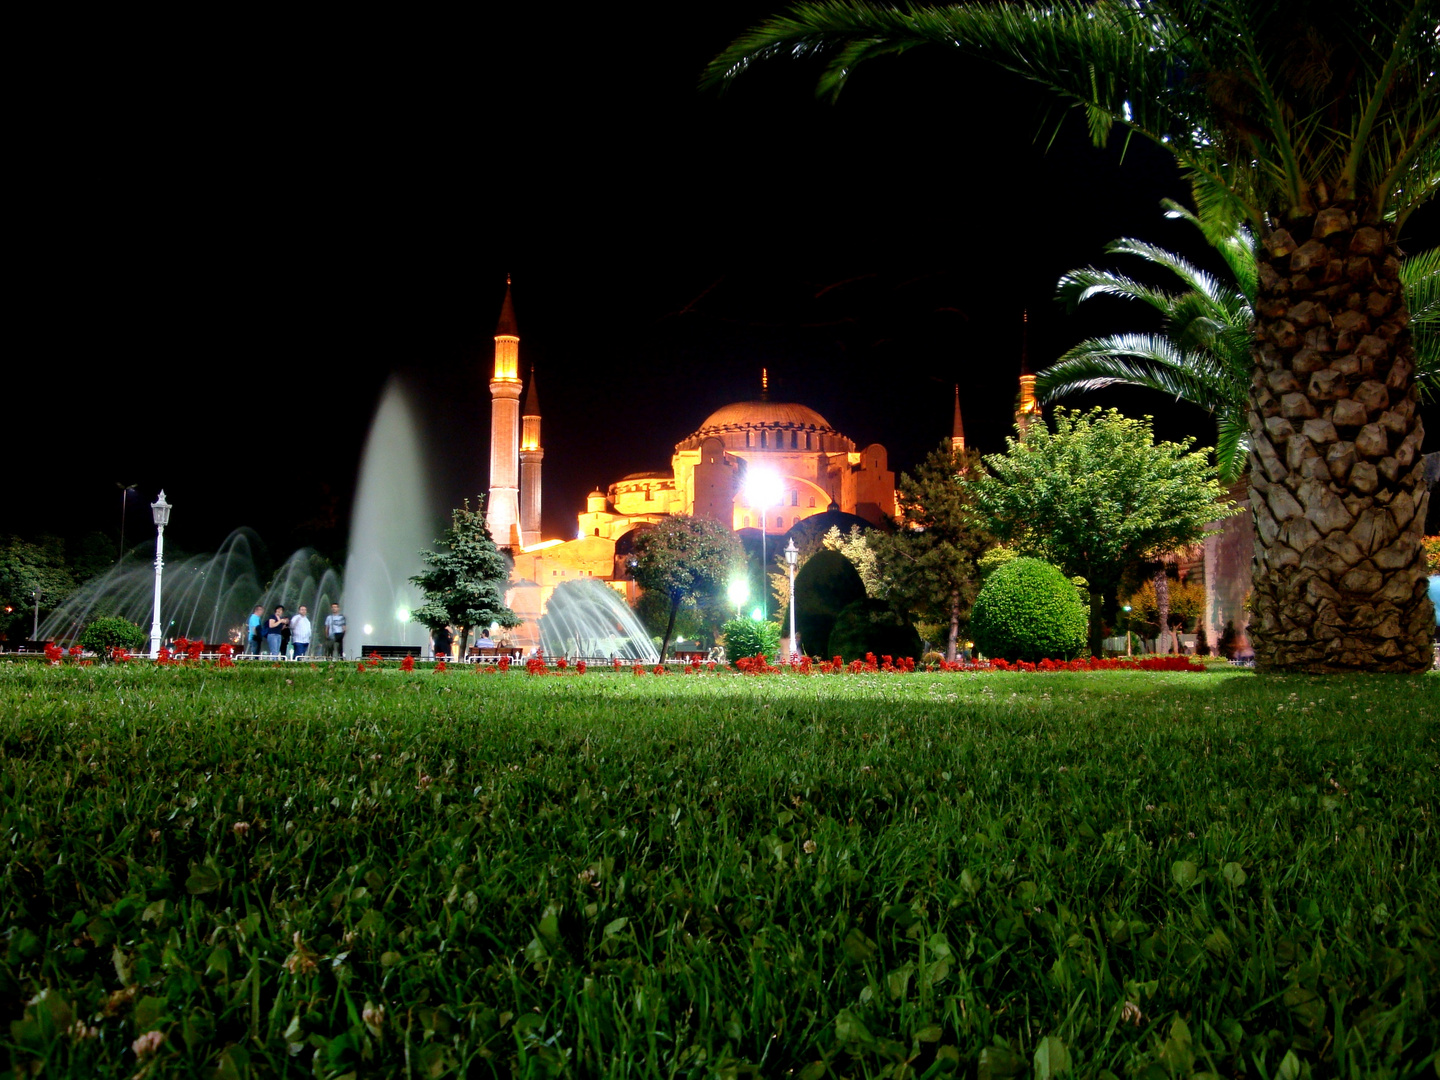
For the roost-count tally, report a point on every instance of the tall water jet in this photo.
(392, 521)
(587, 620)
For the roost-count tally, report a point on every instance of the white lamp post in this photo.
(763, 488)
(792, 556)
(160, 511)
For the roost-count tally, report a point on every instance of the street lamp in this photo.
(792, 556)
(763, 488)
(1126, 609)
(160, 511)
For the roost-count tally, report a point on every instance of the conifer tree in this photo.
(465, 584)
(927, 566)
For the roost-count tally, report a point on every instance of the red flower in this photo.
(580, 667)
(503, 663)
(360, 667)
(407, 664)
(440, 667)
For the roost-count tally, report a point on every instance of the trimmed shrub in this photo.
(1029, 610)
(824, 587)
(869, 626)
(105, 634)
(745, 638)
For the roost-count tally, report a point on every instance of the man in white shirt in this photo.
(300, 632)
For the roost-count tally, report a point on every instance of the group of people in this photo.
(271, 634)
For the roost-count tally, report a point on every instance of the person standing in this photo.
(255, 633)
(440, 643)
(300, 632)
(335, 633)
(275, 628)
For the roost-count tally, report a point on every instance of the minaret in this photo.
(1029, 410)
(502, 512)
(531, 455)
(957, 429)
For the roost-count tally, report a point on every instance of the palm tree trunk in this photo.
(1162, 609)
(1338, 489)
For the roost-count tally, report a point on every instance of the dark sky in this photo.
(233, 234)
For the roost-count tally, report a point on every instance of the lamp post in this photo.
(160, 511)
(739, 592)
(792, 556)
(763, 487)
(1127, 629)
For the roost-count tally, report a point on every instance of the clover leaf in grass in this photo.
(858, 947)
(849, 1028)
(1184, 873)
(1051, 1058)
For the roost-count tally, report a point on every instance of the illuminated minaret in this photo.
(1029, 409)
(957, 429)
(502, 512)
(531, 454)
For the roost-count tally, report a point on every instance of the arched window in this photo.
(747, 521)
(795, 498)
(762, 441)
(794, 439)
(812, 502)
(597, 532)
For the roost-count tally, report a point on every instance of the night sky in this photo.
(231, 235)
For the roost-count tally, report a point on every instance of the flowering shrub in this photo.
(360, 667)
(536, 664)
(53, 653)
(503, 664)
(226, 651)
(440, 667)
(407, 664)
(580, 667)
(373, 660)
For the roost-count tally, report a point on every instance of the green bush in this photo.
(750, 637)
(869, 626)
(824, 587)
(1029, 610)
(108, 633)
(993, 559)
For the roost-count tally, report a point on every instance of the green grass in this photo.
(924, 875)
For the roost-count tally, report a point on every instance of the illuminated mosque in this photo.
(818, 469)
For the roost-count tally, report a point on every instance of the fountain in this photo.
(586, 620)
(207, 597)
(392, 522)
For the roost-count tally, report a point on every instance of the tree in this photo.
(25, 567)
(464, 586)
(684, 557)
(927, 565)
(1099, 495)
(1315, 124)
(857, 549)
(1201, 354)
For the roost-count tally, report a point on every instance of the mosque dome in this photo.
(732, 423)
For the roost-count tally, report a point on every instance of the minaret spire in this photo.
(764, 384)
(502, 510)
(1029, 409)
(531, 454)
(957, 428)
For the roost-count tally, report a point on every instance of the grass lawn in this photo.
(313, 871)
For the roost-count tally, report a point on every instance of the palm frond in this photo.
(1420, 274)
(1149, 361)
(1078, 286)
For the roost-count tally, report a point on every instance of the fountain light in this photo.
(402, 614)
(160, 511)
(739, 592)
(757, 615)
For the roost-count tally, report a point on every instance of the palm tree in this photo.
(1312, 122)
(1201, 354)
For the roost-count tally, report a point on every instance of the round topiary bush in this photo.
(105, 634)
(1029, 610)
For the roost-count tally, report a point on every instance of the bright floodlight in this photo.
(402, 614)
(738, 591)
(763, 488)
(757, 615)
(369, 629)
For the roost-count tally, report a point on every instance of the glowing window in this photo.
(794, 498)
(747, 521)
(812, 502)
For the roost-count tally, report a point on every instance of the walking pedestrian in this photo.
(335, 633)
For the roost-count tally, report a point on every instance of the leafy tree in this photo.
(684, 557)
(1201, 354)
(855, 547)
(1315, 124)
(1096, 495)
(465, 584)
(927, 565)
(827, 585)
(24, 567)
